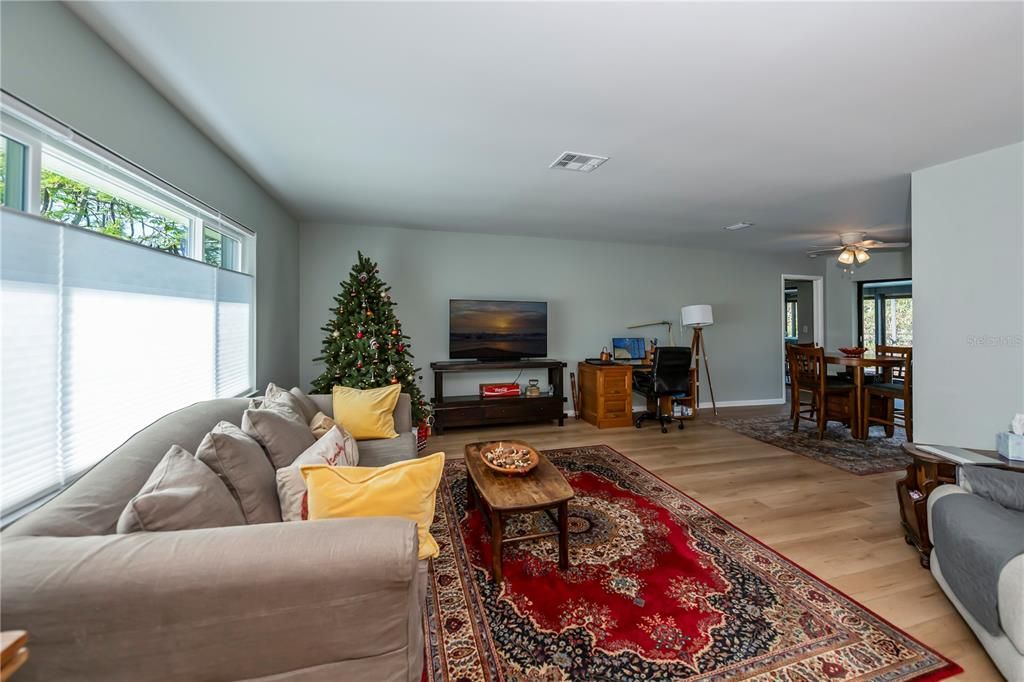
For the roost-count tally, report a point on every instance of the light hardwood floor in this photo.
(843, 528)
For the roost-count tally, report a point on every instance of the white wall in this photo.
(841, 293)
(594, 291)
(968, 227)
(49, 58)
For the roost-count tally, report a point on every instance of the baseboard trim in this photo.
(721, 403)
(745, 403)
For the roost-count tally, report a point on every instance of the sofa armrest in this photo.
(936, 495)
(214, 604)
(402, 413)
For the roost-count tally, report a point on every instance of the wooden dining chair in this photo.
(810, 374)
(794, 399)
(896, 384)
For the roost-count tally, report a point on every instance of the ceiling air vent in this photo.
(583, 163)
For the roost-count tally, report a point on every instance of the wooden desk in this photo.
(924, 474)
(858, 364)
(606, 394)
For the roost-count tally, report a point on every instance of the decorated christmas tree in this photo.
(364, 346)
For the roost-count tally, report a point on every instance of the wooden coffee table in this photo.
(501, 495)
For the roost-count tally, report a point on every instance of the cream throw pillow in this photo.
(336, 448)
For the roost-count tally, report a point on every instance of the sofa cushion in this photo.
(367, 414)
(405, 489)
(242, 465)
(282, 433)
(336, 448)
(382, 451)
(182, 493)
(1002, 486)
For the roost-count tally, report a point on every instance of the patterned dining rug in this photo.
(837, 447)
(660, 588)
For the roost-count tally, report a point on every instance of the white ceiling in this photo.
(803, 118)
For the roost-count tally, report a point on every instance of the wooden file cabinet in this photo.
(607, 395)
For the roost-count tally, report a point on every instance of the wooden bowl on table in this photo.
(510, 457)
(853, 352)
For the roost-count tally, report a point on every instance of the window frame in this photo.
(35, 129)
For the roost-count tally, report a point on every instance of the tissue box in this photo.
(1010, 445)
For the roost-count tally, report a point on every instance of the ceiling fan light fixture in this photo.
(863, 256)
(846, 257)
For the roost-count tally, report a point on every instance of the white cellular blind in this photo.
(100, 338)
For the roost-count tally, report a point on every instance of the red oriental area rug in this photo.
(660, 588)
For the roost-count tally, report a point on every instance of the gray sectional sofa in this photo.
(335, 599)
(977, 528)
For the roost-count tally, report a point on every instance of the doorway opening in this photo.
(803, 317)
(885, 313)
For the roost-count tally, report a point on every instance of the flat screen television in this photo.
(497, 330)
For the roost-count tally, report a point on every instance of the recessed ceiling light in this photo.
(738, 226)
(573, 161)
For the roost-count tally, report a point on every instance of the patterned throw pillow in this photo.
(321, 424)
(336, 448)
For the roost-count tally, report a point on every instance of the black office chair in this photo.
(669, 376)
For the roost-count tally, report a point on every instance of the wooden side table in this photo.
(925, 473)
(501, 495)
(13, 652)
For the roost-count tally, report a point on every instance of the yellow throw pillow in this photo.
(406, 489)
(367, 414)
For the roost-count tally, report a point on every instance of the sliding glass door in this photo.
(886, 313)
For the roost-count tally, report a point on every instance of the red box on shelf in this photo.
(499, 390)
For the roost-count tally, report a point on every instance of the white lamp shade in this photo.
(696, 315)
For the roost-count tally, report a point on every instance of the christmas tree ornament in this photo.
(359, 335)
(401, 347)
(335, 333)
(391, 369)
(359, 365)
(394, 380)
(362, 278)
(394, 332)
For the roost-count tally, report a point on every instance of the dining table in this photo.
(857, 363)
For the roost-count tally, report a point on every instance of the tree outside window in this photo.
(75, 203)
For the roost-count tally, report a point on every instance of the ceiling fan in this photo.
(854, 248)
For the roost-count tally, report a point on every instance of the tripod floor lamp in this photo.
(698, 317)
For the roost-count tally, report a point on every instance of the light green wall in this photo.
(841, 292)
(594, 290)
(968, 227)
(53, 61)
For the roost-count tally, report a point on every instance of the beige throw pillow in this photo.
(282, 433)
(182, 493)
(309, 408)
(336, 448)
(243, 466)
(276, 397)
(321, 424)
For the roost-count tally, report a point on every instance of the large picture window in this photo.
(119, 303)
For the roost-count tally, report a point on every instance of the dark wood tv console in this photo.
(472, 410)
